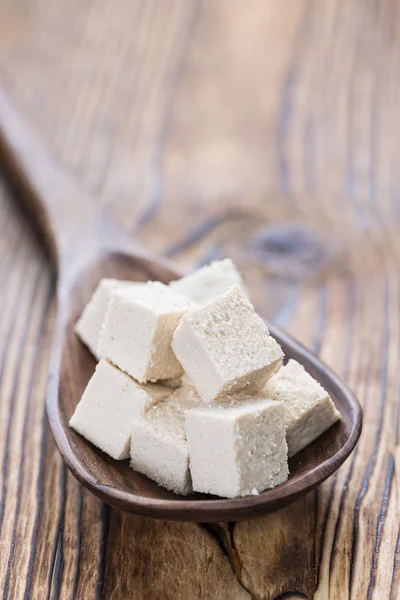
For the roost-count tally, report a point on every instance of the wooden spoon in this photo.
(85, 246)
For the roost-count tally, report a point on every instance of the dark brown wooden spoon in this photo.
(86, 246)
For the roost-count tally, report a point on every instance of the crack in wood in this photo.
(222, 533)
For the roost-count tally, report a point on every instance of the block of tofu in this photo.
(138, 328)
(209, 281)
(309, 409)
(92, 318)
(224, 346)
(159, 447)
(237, 448)
(110, 404)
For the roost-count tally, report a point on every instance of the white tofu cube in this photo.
(309, 409)
(92, 318)
(210, 281)
(159, 448)
(110, 404)
(237, 448)
(138, 329)
(224, 346)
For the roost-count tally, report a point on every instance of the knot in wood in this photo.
(289, 250)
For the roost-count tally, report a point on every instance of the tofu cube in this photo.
(309, 409)
(210, 281)
(224, 346)
(159, 448)
(110, 404)
(138, 330)
(237, 448)
(89, 325)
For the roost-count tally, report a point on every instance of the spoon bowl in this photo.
(85, 246)
(119, 485)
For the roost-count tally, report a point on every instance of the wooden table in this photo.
(267, 131)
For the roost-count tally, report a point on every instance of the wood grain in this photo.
(202, 131)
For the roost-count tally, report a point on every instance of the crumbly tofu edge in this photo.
(159, 448)
(310, 411)
(311, 425)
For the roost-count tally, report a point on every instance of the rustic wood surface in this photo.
(262, 130)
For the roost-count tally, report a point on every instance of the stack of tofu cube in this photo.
(190, 385)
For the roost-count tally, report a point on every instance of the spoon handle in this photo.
(57, 205)
(75, 231)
